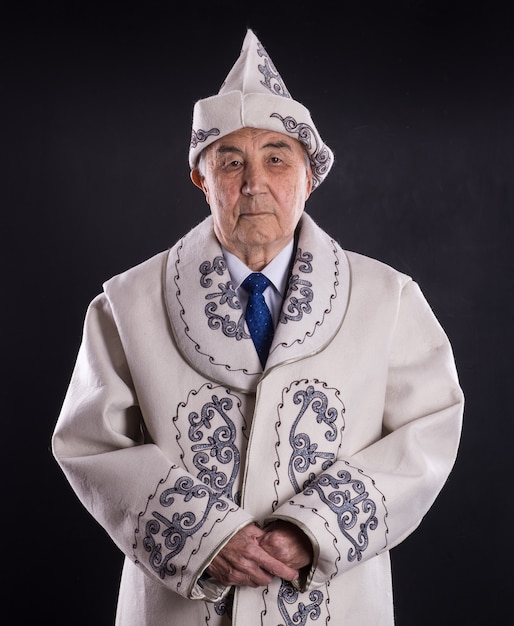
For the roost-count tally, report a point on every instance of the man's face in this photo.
(256, 183)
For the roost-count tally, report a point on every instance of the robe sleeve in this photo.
(367, 503)
(160, 516)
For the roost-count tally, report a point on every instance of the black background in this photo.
(415, 99)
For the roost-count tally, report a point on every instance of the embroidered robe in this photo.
(174, 438)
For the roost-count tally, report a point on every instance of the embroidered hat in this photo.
(254, 95)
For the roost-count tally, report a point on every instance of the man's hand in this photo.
(244, 562)
(288, 543)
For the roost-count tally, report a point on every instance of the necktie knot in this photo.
(256, 283)
(258, 316)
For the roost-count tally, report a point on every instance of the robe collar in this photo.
(208, 322)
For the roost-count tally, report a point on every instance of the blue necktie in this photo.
(258, 316)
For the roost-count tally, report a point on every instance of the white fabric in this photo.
(174, 438)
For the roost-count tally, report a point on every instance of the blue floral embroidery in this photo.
(224, 606)
(218, 265)
(289, 595)
(175, 531)
(349, 505)
(270, 73)
(212, 434)
(305, 453)
(219, 445)
(199, 136)
(229, 327)
(305, 260)
(319, 155)
(225, 296)
(296, 307)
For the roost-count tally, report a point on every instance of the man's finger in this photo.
(243, 562)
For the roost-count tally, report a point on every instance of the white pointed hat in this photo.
(254, 95)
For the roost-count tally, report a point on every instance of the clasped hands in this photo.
(254, 555)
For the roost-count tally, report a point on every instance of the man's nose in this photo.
(253, 179)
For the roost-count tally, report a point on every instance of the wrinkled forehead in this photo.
(251, 140)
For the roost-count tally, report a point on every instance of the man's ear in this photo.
(199, 181)
(197, 178)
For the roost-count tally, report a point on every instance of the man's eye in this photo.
(276, 159)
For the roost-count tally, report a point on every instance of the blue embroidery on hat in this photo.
(319, 154)
(199, 136)
(272, 79)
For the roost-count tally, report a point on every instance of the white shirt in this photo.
(277, 271)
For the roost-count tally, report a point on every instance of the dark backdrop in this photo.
(415, 98)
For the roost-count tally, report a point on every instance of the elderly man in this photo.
(257, 416)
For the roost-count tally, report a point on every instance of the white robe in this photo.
(174, 438)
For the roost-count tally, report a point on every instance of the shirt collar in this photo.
(277, 270)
